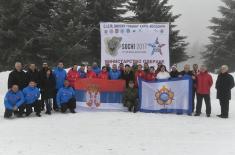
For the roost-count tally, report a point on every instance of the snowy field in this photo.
(117, 133)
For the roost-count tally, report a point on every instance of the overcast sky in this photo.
(195, 17)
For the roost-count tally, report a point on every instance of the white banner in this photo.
(166, 96)
(126, 42)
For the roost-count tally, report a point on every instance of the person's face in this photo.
(173, 69)
(223, 69)
(127, 68)
(75, 67)
(203, 69)
(32, 84)
(89, 68)
(32, 66)
(82, 68)
(163, 69)
(45, 65)
(152, 70)
(61, 65)
(139, 67)
(195, 67)
(121, 66)
(114, 67)
(66, 83)
(131, 85)
(94, 65)
(186, 68)
(18, 66)
(104, 69)
(48, 72)
(146, 66)
(15, 88)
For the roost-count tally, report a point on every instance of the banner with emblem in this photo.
(166, 96)
(99, 94)
(129, 42)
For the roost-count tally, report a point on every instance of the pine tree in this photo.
(159, 11)
(221, 50)
(100, 11)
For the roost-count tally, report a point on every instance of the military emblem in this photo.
(93, 96)
(164, 96)
(112, 45)
(156, 46)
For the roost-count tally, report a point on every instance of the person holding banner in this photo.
(224, 84)
(90, 73)
(130, 97)
(81, 71)
(114, 73)
(104, 74)
(139, 74)
(163, 74)
(203, 84)
(174, 72)
(127, 75)
(151, 75)
(73, 75)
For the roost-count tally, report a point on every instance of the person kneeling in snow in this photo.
(130, 97)
(14, 102)
(31, 95)
(66, 98)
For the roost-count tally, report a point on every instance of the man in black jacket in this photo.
(33, 74)
(17, 77)
(224, 84)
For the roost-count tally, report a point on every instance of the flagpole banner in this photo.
(99, 94)
(166, 96)
(126, 43)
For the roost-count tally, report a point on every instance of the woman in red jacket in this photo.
(73, 75)
(90, 73)
(104, 73)
(151, 75)
(139, 74)
(203, 84)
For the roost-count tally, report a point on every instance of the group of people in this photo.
(57, 86)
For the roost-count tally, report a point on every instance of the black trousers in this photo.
(55, 106)
(71, 105)
(207, 99)
(29, 108)
(132, 104)
(8, 113)
(48, 103)
(224, 107)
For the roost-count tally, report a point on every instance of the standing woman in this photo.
(48, 87)
(163, 74)
(224, 84)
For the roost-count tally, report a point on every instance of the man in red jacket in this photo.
(203, 84)
(73, 75)
(90, 73)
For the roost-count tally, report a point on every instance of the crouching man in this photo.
(31, 95)
(130, 98)
(14, 102)
(66, 98)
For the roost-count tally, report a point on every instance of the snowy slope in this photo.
(117, 133)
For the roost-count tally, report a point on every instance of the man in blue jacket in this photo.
(31, 95)
(81, 71)
(14, 102)
(60, 76)
(66, 98)
(96, 68)
(114, 73)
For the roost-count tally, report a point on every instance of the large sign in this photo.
(126, 43)
(168, 96)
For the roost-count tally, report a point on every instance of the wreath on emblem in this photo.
(164, 96)
(112, 45)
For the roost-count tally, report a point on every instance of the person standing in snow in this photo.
(33, 74)
(66, 98)
(81, 71)
(96, 68)
(104, 74)
(114, 73)
(127, 75)
(73, 75)
(174, 72)
(150, 75)
(163, 74)
(90, 73)
(17, 77)
(48, 89)
(31, 95)
(60, 76)
(203, 84)
(14, 102)
(224, 84)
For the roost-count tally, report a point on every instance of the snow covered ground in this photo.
(117, 133)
